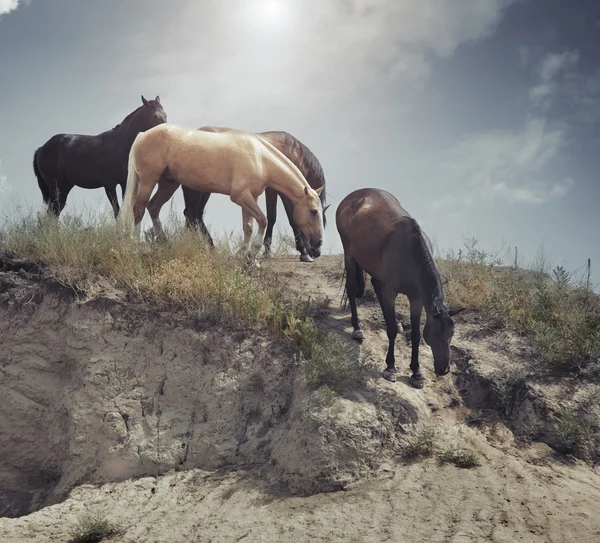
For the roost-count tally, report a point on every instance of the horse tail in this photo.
(40, 179)
(126, 216)
(360, 284)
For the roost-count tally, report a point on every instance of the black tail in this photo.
(360, 284)
(40, 179)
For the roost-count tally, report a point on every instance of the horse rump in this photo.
(40, 179)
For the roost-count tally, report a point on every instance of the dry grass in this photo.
(562, 316)
(184, 274)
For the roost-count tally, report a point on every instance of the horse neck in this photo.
(128, 129)
(429, 282)
(292, 183)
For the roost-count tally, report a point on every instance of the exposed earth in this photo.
(185, 431)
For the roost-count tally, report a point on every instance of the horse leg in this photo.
(166, 189)
(203, 200)
(195, 202)
(271, 198)
(416, 308)
(387, 301)
(300, 247)
(352, 286)
(249, 205)
(111, 192)
(58, 197)
(145, 187)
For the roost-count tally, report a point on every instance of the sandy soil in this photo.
(518, 493)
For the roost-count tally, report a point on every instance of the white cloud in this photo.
(6, 6)
(551, 70)
(324, 49)
(511, 165)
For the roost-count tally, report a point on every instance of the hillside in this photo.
(181, 426)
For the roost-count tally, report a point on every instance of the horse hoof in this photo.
(358, 335)
(389, 376)
(417, 382)
(306, 258)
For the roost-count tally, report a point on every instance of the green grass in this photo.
(460, 458)
(420, 445)
(93, 529)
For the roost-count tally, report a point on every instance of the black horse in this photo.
(92, 162)
(305, 161)
(381, 238)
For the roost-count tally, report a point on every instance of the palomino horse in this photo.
(306, 162)
(237, 163)
(379, 237)
(92, 162)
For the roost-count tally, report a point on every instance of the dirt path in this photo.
(518, 493)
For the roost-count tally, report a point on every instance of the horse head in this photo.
(437, 333)
(151, 114)
(308, 215)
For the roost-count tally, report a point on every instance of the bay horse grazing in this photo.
(305, 161)
(379, 237)
(92, 162)
(237, 163)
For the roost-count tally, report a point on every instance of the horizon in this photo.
(481, 116)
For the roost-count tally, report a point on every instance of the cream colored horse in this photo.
(237, 163)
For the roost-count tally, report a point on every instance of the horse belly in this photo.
(202, 178)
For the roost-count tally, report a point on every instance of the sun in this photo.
(271, 12)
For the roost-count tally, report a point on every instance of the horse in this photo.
(92, 162)
(236, 163)
(381, 238)
(305, 161)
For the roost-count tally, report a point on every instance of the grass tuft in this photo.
(460, 458)
(92, 529)
(420, 445)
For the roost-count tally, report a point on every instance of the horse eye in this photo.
(314, 211)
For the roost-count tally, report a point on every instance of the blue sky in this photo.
(481, 116)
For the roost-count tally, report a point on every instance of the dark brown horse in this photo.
(92, 162)
(379, 237)
(305, 161)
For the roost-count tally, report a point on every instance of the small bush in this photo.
(326, 358)
(92, 529)
(576, 433)
(421, 445)
(460, 458)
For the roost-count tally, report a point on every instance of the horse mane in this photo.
(428, 269)
(309, 164)
(128, 118)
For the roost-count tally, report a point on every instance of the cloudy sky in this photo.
(481, 116)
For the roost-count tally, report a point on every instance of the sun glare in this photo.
(272, 12)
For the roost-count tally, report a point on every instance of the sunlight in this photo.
(272, 12)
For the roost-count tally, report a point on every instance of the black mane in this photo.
(429, 272)
(310, 164)
(129, 117)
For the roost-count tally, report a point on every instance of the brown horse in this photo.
(379, 237)
(237, 163)
(306, 162)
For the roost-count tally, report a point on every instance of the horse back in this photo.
(375, 230)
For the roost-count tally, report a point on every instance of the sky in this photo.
(481, 116)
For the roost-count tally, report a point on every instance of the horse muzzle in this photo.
(315, 244)
(443, 371)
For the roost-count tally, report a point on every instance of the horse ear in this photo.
(319, 191)
(326, 207)
(157, 99)
(456, 311)
(144, 101)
